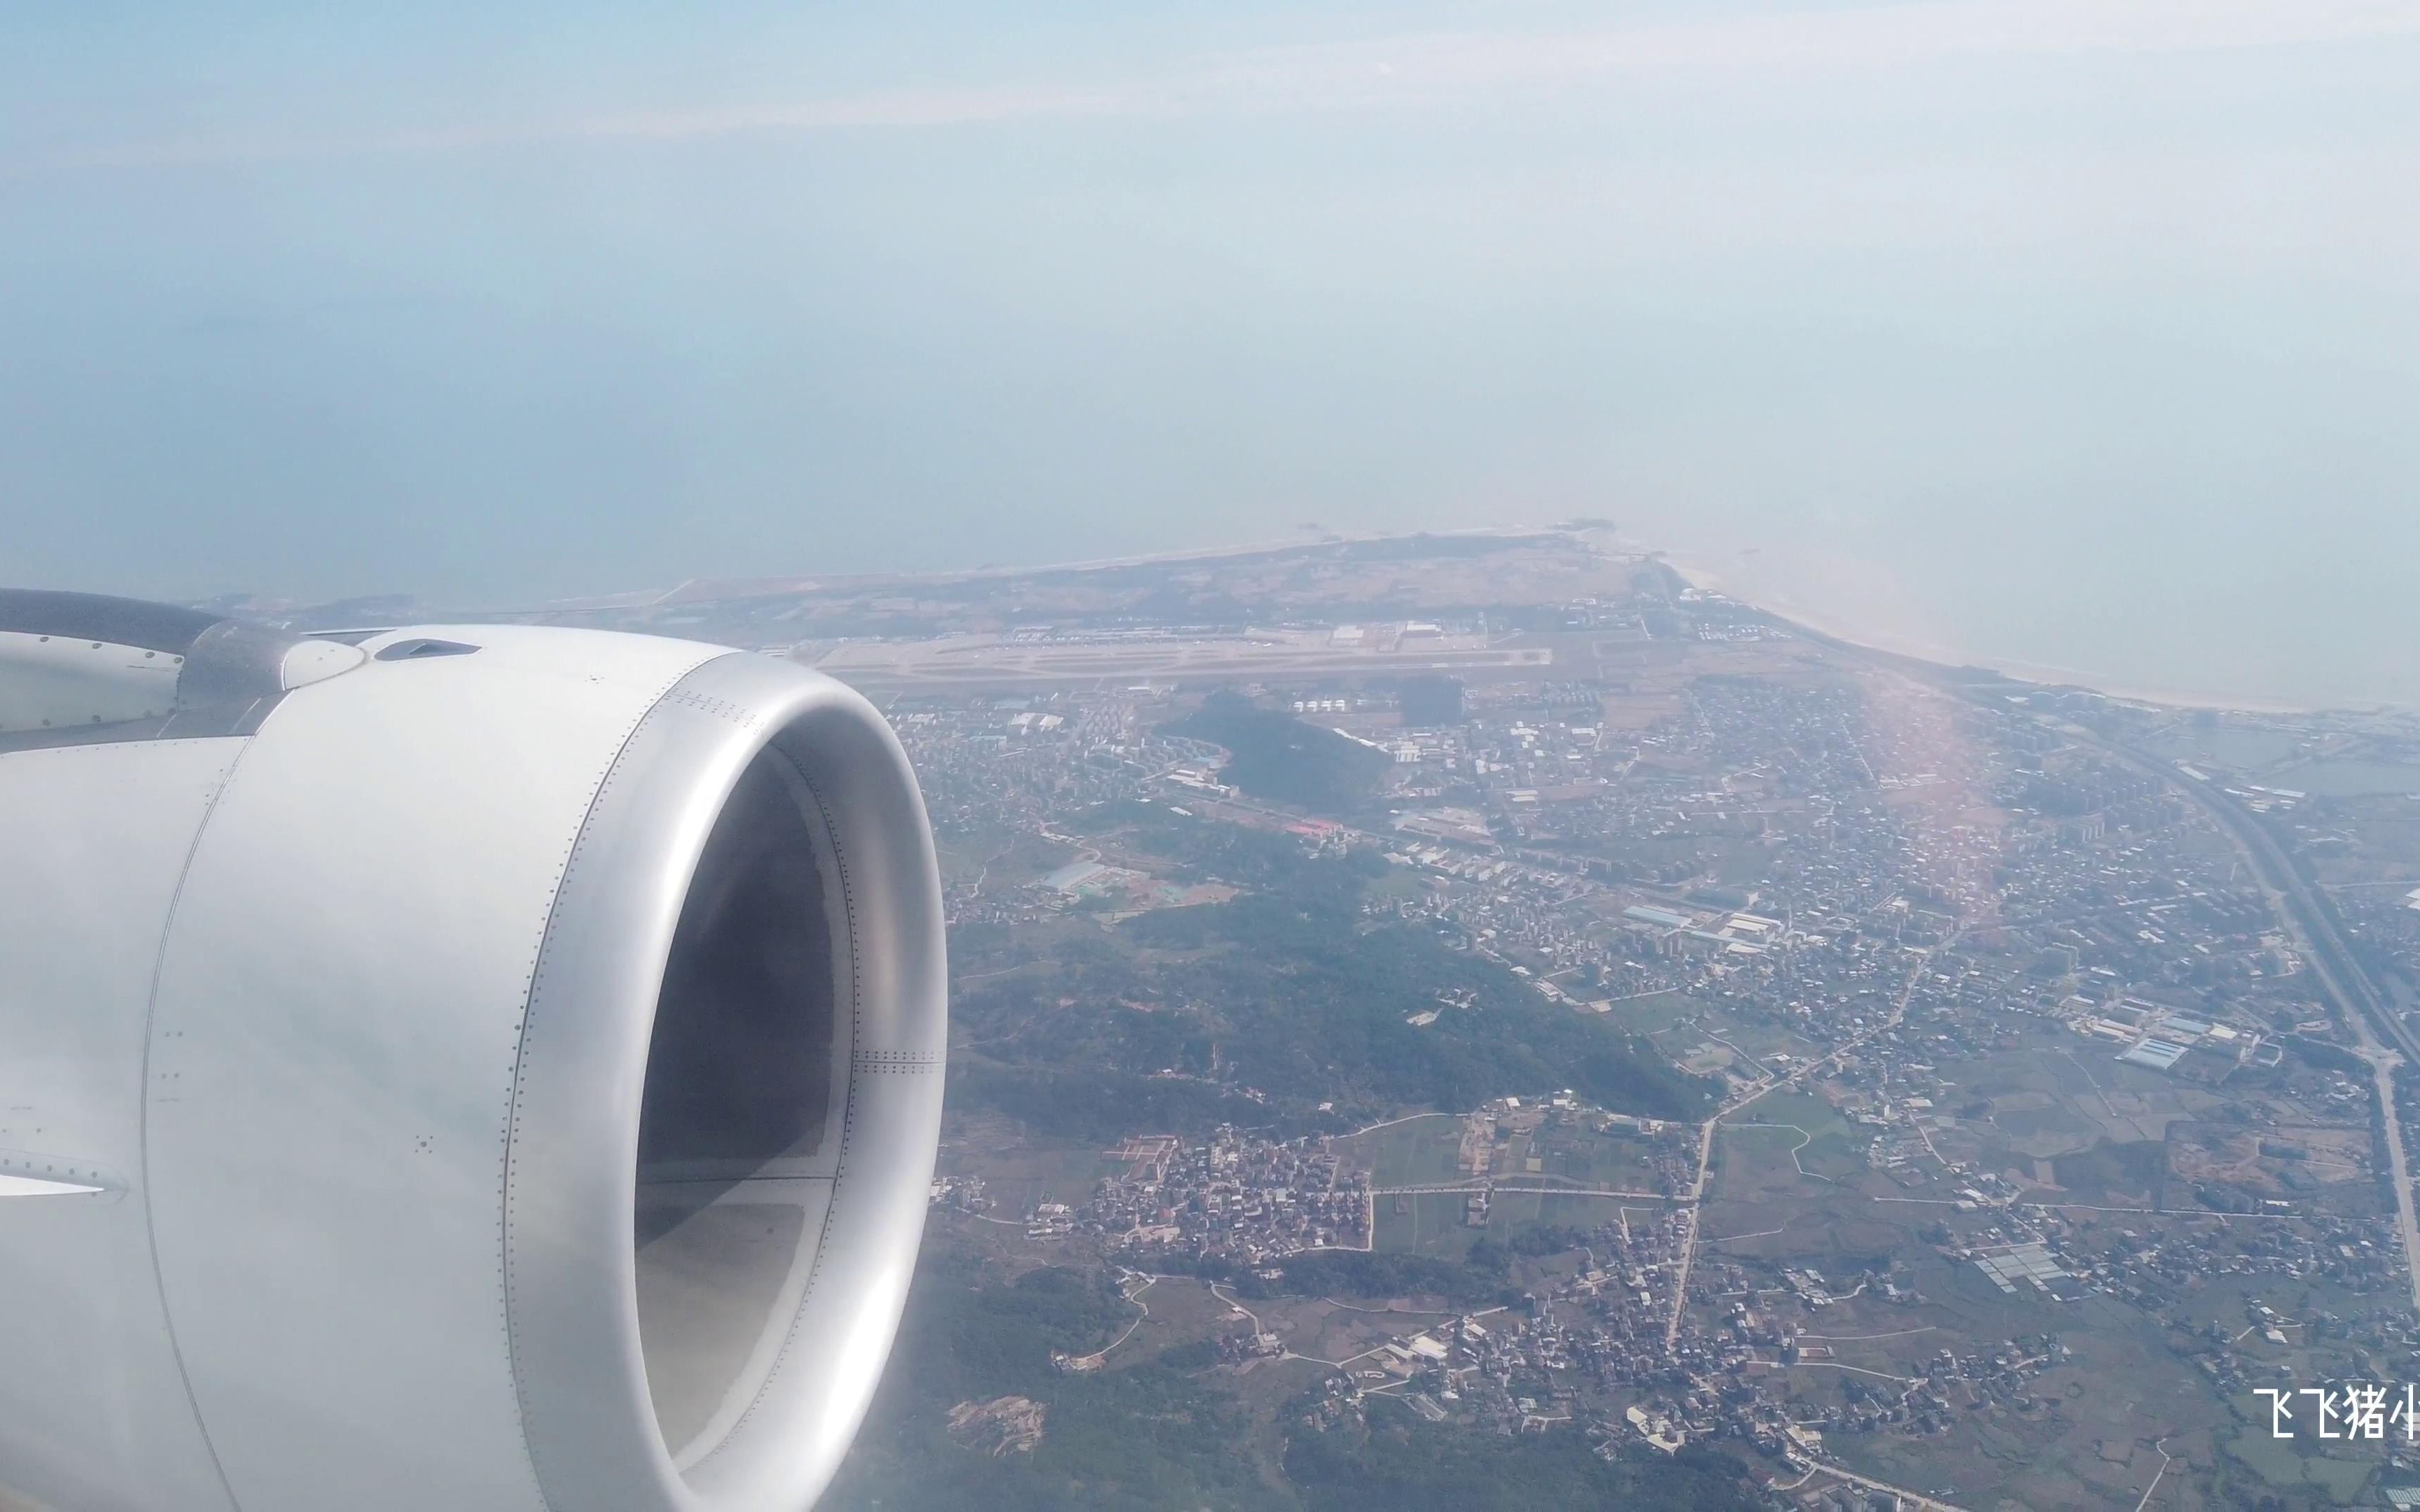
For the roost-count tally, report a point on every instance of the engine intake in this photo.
(505, 1079)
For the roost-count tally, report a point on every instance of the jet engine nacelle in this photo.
(478, 1067)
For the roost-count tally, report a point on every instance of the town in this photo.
(1911, 1082)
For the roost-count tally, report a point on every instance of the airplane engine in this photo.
(471, 1067)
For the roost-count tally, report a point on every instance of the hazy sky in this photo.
(1998, 311)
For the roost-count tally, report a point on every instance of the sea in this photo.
(2272, 616)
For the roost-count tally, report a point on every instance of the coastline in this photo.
(2034, 674)
(1692, 568)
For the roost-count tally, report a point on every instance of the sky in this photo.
(2082, 332)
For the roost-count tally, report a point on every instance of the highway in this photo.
(2311, 927)
(2357, 999)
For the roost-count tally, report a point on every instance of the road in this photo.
(1473, 1189)
(1238, 1305)
(2340, 975)
(1135, 1297)
(1689, 1240)
(2310, 925)
(1926, 1503)
(1706, 1136)
(2166, 1460)
(1389, 1123)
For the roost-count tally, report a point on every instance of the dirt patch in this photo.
(1003, 1425)
(2270, 1162)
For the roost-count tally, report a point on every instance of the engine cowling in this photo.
(502, 1070)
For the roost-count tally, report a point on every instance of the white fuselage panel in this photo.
(94, 1413)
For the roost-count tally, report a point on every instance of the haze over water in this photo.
(2023, 329)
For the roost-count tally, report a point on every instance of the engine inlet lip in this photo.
(569, 1286)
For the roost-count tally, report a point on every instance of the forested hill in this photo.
(1289, 991)
(1272, 754)
(1320, 1001)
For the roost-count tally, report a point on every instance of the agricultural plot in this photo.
(1755, 1162)
(2130, 1174)
(1768, 1043)
(1617, 1158)
(1436, 1224)
(2071, 1441)
(1707, 1058)
(2060, 1095)
(2287, 1466)
(2040, 1123)
(1657, 1016)
(1423, 1150)
(1414, 1223)
(1018, 1174)
(1848, 1266)
(1786, 1141)
(1171, 1311)
(1443, 1150)
(2270, 1163)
